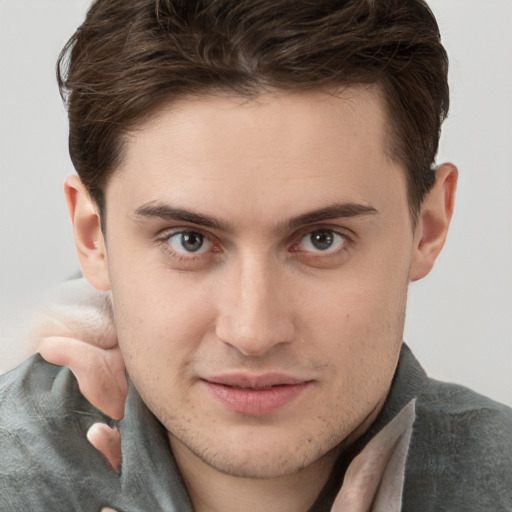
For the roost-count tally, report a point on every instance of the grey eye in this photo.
(322, 240)
(188, 242)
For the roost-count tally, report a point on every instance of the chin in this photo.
(260, 456)
(258, 465)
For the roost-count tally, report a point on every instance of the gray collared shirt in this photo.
(434, 447)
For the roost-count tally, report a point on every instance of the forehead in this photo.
(274, 153)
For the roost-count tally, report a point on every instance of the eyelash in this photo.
(183, 257)
(321, 253)
(204, 257)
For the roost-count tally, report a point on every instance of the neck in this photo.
(211, 490)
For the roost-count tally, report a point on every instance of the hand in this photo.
(75, 329)
(101, 378)
(100, 372)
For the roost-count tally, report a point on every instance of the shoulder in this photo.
(462, 421)
(38, 395)
(460, 456)
(30, 380)
(43, 424)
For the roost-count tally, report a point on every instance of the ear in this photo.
(434, 221)
(89, 240)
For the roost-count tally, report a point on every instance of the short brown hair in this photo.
(130, 56)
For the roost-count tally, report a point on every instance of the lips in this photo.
(255, 395)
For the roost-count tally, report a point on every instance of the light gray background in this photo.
(460, 317)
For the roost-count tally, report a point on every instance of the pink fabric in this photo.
(375, 478)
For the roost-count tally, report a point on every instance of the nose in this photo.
(254, 313)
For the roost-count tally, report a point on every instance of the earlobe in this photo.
(89, 240)
(434, 221)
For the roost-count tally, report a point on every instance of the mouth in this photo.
(253, 395)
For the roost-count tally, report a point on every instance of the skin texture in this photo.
(259, 296)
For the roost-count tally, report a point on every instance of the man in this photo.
(255, 189)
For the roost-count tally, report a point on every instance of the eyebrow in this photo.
(156, 210)
(335, 211)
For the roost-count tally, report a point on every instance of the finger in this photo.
(69, 351)
(108, 442)
(100, 373)
(74, 309)
(72, 322)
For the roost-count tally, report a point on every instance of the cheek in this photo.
(161, 317)
(369, 304)
(357, 319)
(161, 326)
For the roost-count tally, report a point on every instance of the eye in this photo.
(189, 242)
(322, 240)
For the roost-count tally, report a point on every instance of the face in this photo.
(258, 255)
